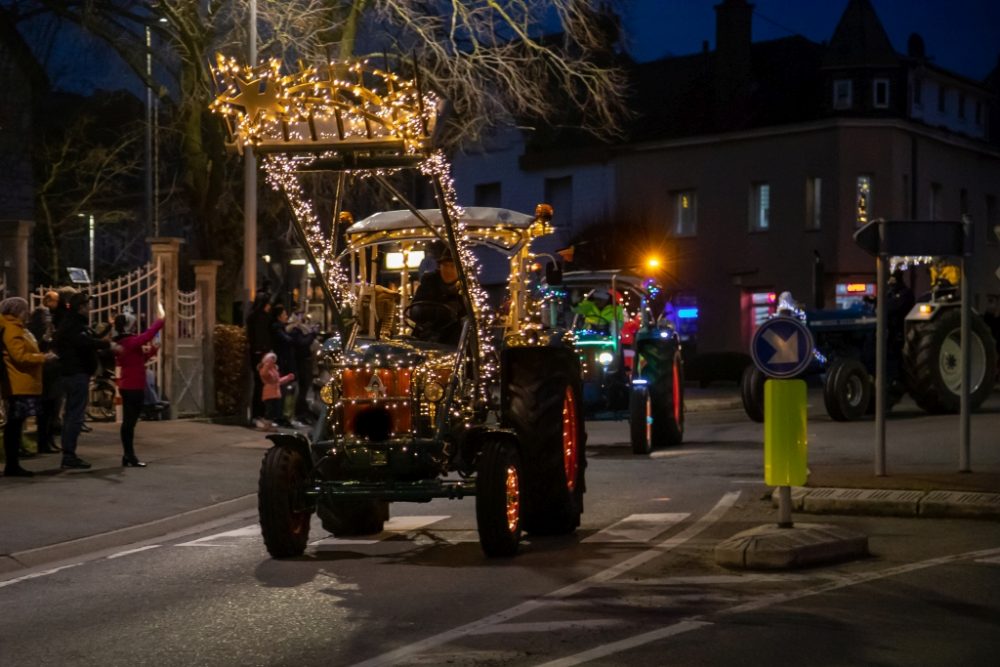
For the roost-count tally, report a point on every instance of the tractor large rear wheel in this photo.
(284, 509)
(932, 362)
(543, 405)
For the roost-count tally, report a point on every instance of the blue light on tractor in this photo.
(687, 313)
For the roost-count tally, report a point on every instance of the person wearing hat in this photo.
(441, 323)
(77, 346)
(599, 312)
(131, 352)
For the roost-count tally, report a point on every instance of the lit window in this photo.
(842, 94)
(760, 207)
(880, 93)
(685, 207)
(814, 202)
(864, 199)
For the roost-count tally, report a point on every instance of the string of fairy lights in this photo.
(356, 108)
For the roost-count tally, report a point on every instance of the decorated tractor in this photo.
(923, 355)
(631, 358)
(428, 393)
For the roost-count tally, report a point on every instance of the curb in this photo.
(895, 502)
(123, 536)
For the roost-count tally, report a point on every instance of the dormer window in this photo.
(880, 93)
(941, 98)
(842, 94)
(918, 86)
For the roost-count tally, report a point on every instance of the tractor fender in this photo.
(475, 436)
(295, 441)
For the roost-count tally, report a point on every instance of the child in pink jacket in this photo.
(272, 380)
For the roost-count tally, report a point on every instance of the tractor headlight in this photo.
(328, 394)
(433, 391)
(605, 358)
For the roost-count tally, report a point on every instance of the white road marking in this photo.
(395, 525)
(990, 561)
(552, 626)
(698, 622)
(405, 524)
(404, 652)
(637, 528)
(718, 580)
(133, 551)
(224, 539)
(35, 575)
(629, 643)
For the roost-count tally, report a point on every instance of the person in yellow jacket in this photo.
(599, 312)
(22, 379)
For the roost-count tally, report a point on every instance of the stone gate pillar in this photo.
(14, 238)
(205, 271)
(165, 251)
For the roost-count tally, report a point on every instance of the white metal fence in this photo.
(138, 292)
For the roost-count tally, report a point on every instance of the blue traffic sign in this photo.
(782, 347)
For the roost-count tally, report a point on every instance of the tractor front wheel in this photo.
(284, 509)
(498, 499)
(848, 390)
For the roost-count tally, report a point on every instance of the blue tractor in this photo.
(923, 356)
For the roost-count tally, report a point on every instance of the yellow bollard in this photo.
(785, 433)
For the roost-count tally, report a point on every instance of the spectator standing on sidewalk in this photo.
(272, 381)
(303, 335)
(77, 348)
(42, 328)
(130, 356)
(284, 340)
(22, 379)
(258, 329)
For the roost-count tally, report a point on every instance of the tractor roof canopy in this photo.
(500, 228)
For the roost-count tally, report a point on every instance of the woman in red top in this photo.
(130, 356)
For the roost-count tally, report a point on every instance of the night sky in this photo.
(960, 35)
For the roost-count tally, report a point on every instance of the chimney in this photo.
(733, 71)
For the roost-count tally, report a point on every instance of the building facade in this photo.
(757, 162)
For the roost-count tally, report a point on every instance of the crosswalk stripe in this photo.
(550, 626)
(224, 539)
(395, 525)
(637, 528)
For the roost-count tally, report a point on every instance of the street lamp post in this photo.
(250, 190)
(90, 237)
(149, 133)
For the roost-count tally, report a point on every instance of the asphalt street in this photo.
(637, 584)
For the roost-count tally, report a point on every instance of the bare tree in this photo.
(78, 177)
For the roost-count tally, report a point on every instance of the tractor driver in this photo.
(598, 311)
(438, 305)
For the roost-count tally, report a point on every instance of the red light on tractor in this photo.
(772, 297)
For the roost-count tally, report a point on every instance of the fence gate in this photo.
(183, 366)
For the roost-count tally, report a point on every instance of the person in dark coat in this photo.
(258, 327)
(442, 323)
(42, 327)
(284, 342)
(77, 347)
(303, 335)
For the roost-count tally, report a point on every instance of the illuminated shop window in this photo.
(863, 198)
(760, 207)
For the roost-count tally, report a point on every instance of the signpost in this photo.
(782, 348)
(939, 238)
